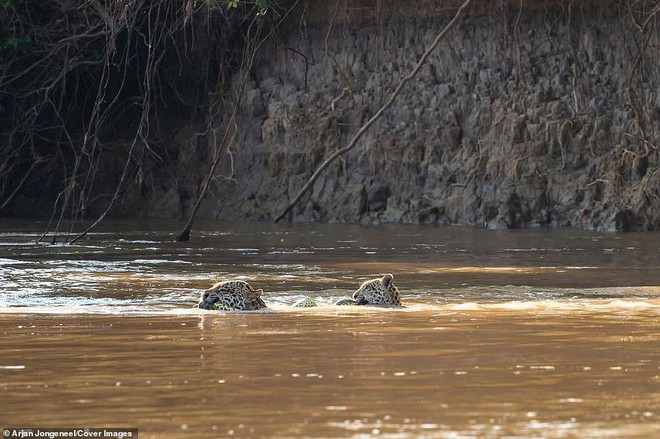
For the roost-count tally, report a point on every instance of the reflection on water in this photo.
(504, 334)
(288, 374)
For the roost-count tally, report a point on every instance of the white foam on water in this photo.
(178, 304)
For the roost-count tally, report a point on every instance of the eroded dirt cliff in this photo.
(531, 113)
(545, 116)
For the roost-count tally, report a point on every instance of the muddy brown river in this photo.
(514, 334)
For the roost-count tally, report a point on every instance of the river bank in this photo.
(540, 116)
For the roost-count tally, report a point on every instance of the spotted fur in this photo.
(232, 295)
(305, 302)
(378, 292)
(372, 292)
(308, 302)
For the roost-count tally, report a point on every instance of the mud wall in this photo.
(545, 116)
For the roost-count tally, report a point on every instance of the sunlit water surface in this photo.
(503, 334)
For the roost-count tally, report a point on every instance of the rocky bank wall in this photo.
(545, 116)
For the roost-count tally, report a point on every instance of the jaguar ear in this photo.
(259, 292)
(387, 280)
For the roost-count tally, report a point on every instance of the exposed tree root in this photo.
(254, 42)
(81, 87)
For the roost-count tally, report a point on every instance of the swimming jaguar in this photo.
(239, 295)
(232, 295)
(379, 291)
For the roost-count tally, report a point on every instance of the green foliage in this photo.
(15, 43)
(262, 4)
(9, 4)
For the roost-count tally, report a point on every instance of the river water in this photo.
(530, 333)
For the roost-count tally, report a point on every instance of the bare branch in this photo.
(378, 114)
